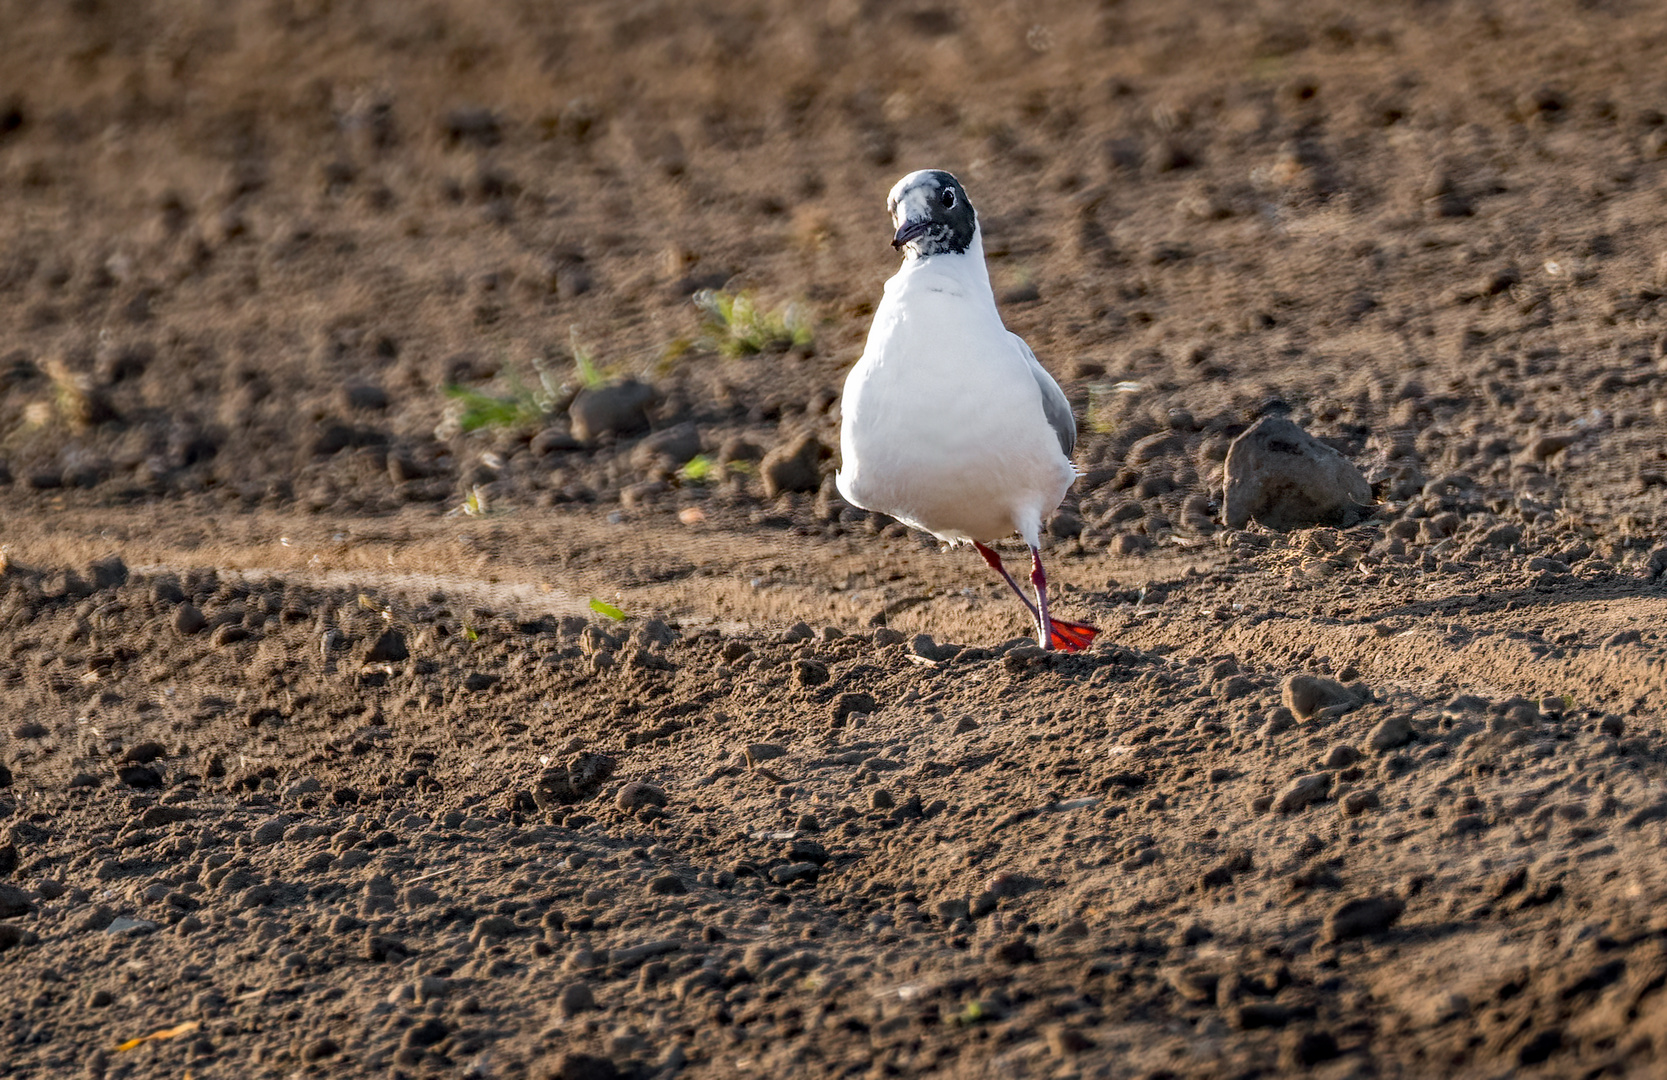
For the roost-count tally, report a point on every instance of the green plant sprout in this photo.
(602, 607)
(733, 325)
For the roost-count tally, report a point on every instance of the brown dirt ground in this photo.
(308, 772)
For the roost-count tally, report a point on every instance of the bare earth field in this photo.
(317, 758)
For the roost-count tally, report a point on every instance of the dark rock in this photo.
(107, 573)
(144, 753)
(14, 901)
(427, 1033)
(1279, 475)
(1309, 1049)
(616, 409)
(1304, 792)
(668, 449)
(389, 648)
(365, 397)
(667, 885)
(577, 1066)
(638, 794)
(188, 620)
(142, 777)
(1363, 917)
(794, 466)
(553, 440)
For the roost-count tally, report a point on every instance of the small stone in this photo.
(808, 673)
(1362, 917)
(1342, 756)
(14, 901)
(1303, 792)
(98, 999)
(1281, 476)
(426, 1034)
(388, 648)
(638, 794)
(576, 1066)
(667, 885)
(1306, 695)
(1309, 1048)
(575, 999)
(793, 466)
(271, 830)
(1358, 802)
(1390, 734)
(188, 620)
(881, 799)
(126, 927)
(616, 409)
(667, 449)
(319, 1049)
(1016, 951)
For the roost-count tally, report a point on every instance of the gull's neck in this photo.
(967, 268)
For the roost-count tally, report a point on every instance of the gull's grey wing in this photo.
(1054, 405)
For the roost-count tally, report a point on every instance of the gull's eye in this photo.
(948, 198)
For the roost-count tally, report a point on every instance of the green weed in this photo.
(732, 324)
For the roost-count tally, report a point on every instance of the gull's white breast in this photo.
(943, 421)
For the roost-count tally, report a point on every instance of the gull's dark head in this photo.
(932, 214)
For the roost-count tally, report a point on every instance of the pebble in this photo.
(667, 885)
(271, 830)
(1281, 476)
(129, 927)
(1391, 733)
(573, 1065)
(619, 408)
(794, 466)
(188, 620)
(1306, 695)
(1303, 792)
(576, 998)
(1342, 756)
(1362, 917)
(1358, 802)
(388, 648)
(14, 901)
(638, 794)
(319, 1049)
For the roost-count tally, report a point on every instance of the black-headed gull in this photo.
(950, 423)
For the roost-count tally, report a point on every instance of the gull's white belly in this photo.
(943, 424)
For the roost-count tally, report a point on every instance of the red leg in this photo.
(1070, 636)
(994, 559)
(1055, 633)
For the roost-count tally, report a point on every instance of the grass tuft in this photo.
(733, 325)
